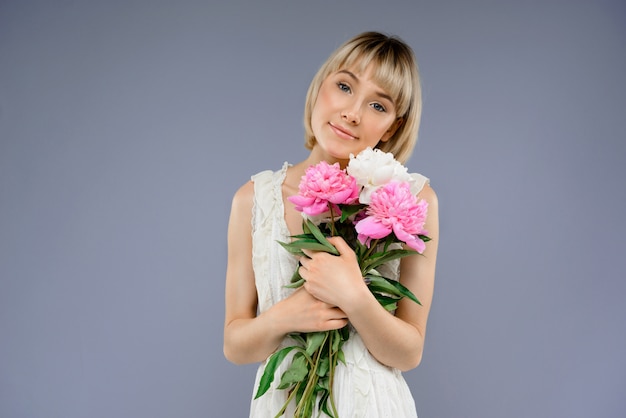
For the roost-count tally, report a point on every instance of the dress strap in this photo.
(267, 195)
(420, 181)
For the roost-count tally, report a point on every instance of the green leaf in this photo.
(270, 368)
(296, 280)
(323, 404)
(299, 337)
(314, 340)
(390, 307)
(360, 250)
(303, 236)
(379, 284)
(321, 238)
(345, 333)
(337, 341)
(295, 285)
(295, 247)
(341, 357)
(379, 259)
(300, 392)
(323, 385)
(387, 302)
(297, 371)
(349, 210)
(316, 246)
(291, 248)
(392, 287)
(323, 366)
(295, 277)
(386, 298)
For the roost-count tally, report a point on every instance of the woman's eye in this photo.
(378, 107)
(344, 87)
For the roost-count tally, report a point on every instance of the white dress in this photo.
(363, 387)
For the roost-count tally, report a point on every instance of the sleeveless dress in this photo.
(363, 387)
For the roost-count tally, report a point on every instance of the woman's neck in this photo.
(317, 154)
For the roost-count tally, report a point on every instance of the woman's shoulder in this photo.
(243, 199)
(245, 191)
(268, 175)
(428, 194)
(244, 196)
(266, 181)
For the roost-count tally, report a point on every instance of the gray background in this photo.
(126, 126)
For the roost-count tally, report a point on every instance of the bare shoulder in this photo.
(243, 198)
(432, 220)
(428, 194)
(245, 192)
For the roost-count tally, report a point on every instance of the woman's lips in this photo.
(342, 132)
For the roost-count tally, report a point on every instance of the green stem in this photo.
(291, 395)
(331, 368)
(304, 407)
(368, 254)
(332, 220)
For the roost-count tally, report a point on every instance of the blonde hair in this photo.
(395, 70)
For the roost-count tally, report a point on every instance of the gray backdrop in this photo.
(126, 126)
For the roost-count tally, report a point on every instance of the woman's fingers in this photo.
(311, 314)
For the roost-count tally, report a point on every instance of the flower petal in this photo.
(316, 208)
(372, 228)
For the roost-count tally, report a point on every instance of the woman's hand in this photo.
(332, 279)
(302, 312)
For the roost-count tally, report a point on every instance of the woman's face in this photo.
(351, 113)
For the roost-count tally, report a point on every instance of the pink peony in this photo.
(393, 208)
(324, 184)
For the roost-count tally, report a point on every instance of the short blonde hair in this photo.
(395, 70)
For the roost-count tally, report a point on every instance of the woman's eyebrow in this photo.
(379, 93)
(355, 78)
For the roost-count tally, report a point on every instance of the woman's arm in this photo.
(247, 338)
(396, 341)
(250, 338)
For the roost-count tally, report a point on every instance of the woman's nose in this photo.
(351, 115)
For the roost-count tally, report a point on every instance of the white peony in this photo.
(373, 168)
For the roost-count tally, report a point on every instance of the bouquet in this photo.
(372, 205)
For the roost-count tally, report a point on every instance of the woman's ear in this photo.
(392, 129)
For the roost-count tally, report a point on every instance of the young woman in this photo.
(367, 94)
